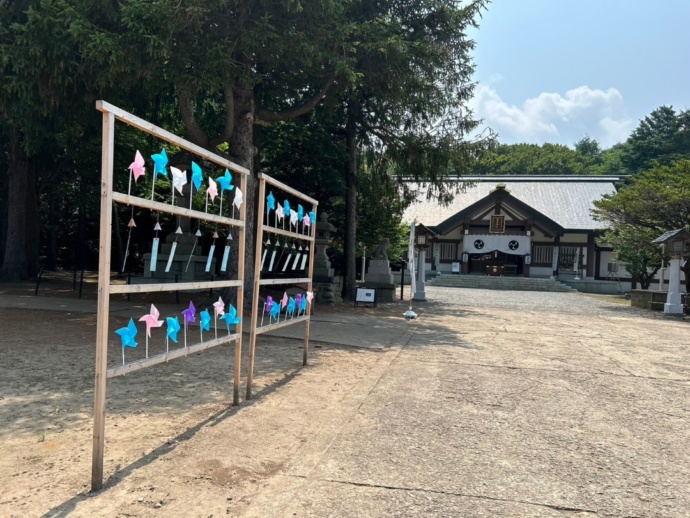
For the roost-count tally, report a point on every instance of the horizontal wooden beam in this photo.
(287, 188)
(174, 209)
(287, 233)
(173, 286)
(269, 282)
(278, 325)
(164, 357)
(152, 129)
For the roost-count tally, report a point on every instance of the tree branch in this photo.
(265, 117)
(196, 134)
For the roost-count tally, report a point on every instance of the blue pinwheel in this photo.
(275, 310)
(312, 217)
(160, 161)
(291, 306)
(173, 329)
(197, 176)
(286, 207)
(127, 335)
(271, 200)
(225, 182)
(231, 317)
(300, 212)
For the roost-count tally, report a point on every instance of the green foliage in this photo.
(662, 137)
(533, 159)
(653, 202)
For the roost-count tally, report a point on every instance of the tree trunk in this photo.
(51, 256)
(15, 261)
(242, 147)
(81, 225)
(33, 231)
(350, 284)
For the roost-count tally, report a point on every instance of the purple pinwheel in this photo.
(189, 318)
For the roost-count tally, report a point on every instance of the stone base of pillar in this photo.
(674, 309)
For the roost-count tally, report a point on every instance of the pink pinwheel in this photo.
(137, 167)
(310, 295)
(151, 320)
(306, 221)
(219, 307)
(284, 300)
(212, 189)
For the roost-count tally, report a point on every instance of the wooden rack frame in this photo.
(110, 115)
(258, 281)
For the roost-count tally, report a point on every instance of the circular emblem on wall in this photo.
(479, 244)
(513, 245)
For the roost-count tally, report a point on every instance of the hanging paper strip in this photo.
(154, 254)
(226, 256)
(171, 257)
(210, 258)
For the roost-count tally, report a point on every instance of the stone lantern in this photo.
(326, 283)
(676, 244)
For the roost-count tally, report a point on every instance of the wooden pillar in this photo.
(104, 249)
(590, 256)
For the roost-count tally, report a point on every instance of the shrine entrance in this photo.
(496, 264)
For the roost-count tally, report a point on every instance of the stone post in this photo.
(673, 305)
(420, 294)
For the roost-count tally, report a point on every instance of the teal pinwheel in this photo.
(231, 317)
(303, 304)
(173, 328)
(127, 334)
(275, 310)
(312, 216)
(160, 161)
(225, 182)
(197, 176)
(286, 207)
(271, 200)
(205, 320)
(300, 212)
(291, 306)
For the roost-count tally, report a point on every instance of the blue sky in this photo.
(556, 70)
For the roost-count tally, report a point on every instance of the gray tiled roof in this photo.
(568, 203)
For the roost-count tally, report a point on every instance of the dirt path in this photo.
(492, 403)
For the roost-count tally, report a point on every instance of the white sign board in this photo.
(366, 295)
(455, 267)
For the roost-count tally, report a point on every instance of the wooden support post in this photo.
(311, 277)
(257, 281)
(103, 300)
(240, 294)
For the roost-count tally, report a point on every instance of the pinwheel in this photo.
(197, 180)
(218, 310)
(171, 332)
(290, 308)
(237, 202)
(293, 218)
(284, 300)
(179, 180)
(303, 303)
(205, 323)
(212, 191)
(312, 218)
(280, 214)
(225, 185)
(231, 317)
(300, 216)
(270, 205)
(160, 161)
(189, 318)
(310, 296)
(275, 310)
(137, 168)
(151, 320)
(127, 335)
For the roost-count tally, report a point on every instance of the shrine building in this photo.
(530, 226)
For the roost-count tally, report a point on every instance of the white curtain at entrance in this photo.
(485, 243)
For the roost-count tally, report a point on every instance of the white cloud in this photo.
(552, 117)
